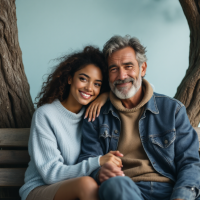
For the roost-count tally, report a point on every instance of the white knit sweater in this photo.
(54, 146)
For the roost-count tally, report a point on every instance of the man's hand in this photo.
(109, 170)
(111, 157)
(116, 153)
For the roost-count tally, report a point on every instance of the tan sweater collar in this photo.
(148, 92)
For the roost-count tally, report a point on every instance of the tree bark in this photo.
(188, 91)
(16, 107)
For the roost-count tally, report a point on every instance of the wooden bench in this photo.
(14, 159)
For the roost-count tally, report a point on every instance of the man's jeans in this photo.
(123, 188)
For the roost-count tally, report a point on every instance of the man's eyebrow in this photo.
(111, 66)
(89, 77)
(128, 63)
(114, 65)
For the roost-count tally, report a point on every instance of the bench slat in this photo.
(14, 157)
(11, 137)
(12, 176)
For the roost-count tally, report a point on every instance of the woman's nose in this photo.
(89, 87)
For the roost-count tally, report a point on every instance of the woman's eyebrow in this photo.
(84, 75)
(89, 77)
(99, 80)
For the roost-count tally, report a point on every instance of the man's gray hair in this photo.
(117, 42)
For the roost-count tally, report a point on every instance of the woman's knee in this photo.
(87, 182)
(87, 186)
(77, 188)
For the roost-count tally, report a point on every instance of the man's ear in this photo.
(69, 80)
(143, 69)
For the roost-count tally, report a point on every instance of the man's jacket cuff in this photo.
(190, 193)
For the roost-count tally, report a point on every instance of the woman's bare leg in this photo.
(83, 188)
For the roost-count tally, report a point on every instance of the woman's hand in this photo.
(111, 157)
(94, 108)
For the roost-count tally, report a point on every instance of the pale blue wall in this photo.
(50, 28)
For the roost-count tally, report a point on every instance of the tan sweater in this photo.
(135, 162)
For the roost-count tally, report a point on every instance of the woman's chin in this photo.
(85, 102)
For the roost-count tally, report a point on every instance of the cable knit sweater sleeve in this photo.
(44, 150)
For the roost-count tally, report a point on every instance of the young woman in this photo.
(55, 136)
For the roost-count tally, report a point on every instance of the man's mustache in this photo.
(126, 80)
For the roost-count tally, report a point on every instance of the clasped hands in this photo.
(111, 166)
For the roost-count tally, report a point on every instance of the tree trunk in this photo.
(16, 107)
(188, 91)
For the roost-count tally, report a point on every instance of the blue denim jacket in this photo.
(167, 136)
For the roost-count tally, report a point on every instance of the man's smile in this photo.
(123, 84)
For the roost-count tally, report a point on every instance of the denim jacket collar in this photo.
(150, 105)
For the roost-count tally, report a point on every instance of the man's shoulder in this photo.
(104, 116)
(106, 107)
(161, 98)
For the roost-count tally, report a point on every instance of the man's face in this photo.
(125, 75)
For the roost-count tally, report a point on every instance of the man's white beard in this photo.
(123, 93)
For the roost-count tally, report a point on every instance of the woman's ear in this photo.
(69, 80)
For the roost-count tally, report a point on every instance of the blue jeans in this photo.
(123, 188)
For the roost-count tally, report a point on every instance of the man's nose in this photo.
(122, 74)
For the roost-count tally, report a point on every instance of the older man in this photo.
(152, 131)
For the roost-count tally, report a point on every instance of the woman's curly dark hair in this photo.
(56, 85)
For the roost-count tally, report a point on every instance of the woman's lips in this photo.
(84, 95)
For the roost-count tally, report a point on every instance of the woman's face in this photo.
(86, 84)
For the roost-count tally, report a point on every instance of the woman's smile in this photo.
(85, 95)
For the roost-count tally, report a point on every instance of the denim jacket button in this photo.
(106, 132)
(116, 131)
(192, 188)
(166, 141)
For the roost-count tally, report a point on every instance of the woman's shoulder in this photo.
(43, 122)
(45, 111)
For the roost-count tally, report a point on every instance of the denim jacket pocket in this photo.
(163, 144)
(104, 132)
(105, 137)
(164, 140)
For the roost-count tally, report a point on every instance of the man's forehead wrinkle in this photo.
(122, 59)
(130, 55)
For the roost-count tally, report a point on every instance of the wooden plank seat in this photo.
(14, 157)
(14, 160)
